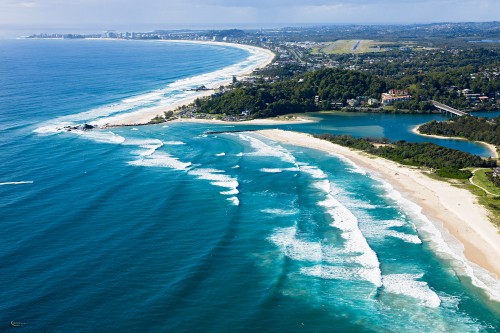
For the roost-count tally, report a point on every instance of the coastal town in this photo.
(231, 166)
(377, 50)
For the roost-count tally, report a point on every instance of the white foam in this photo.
(234, 200)
(323, 185)
(49, 129)
(217, 178)
(173, 93)
(287, 241)
(220, 154)
(342, 273)
(354, 168)
(230, 192)
(354, 241)
(264, 150)
(101, 136)
(382, 229)
(134, 129)
(404, 237)
(410, 285)
(174, 143)
(143, 97)
(277, 170)
(313, 171)
(479, 277)
(148, 146)
(17, 183)
(282, 212)
(161, 159)
(358, 204)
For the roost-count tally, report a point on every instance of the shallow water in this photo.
(165, 228)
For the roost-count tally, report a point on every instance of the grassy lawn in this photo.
(489, 202)
(483, 181)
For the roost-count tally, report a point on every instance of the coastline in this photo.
(142, 117)
(263, 121)
(492, 148)
(454, 209)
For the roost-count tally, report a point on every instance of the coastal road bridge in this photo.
(449, 109)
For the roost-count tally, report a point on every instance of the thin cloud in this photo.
(181, 13)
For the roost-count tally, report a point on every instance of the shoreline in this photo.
(142, 117)
(260, 121)
(447, 207)
(492, 148)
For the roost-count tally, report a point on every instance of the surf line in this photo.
(18, 183)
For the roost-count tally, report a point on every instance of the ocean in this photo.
(166, 228)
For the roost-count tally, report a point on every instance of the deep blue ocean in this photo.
(167, 229)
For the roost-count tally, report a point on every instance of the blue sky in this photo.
(243, 13)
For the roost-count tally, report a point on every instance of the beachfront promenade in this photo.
(449, 109)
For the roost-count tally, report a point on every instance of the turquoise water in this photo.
(166, 229)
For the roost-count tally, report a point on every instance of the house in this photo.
(496, 172)
(395, 95)
(353, 102)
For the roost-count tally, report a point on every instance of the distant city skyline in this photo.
(80, 15)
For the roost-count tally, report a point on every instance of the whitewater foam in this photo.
(342, 273)
(234, 200)
(277, 170)
(355, 242)
(161, 159)
(174, 143)
(411, 285)
(287, 241)
(262, 149)
(385, 228)
(282, 212)
(17, 183)
(173, 93)
(479, 277)
(217, 178)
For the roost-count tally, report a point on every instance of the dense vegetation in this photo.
(453, 173)
(448, 160)
(472, 128)
(429, 75)
(295, 95)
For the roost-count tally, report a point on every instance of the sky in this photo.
(134, 14)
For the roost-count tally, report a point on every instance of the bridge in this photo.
(449, 109)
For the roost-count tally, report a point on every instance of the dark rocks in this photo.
(84, 127)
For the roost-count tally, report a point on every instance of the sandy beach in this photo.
(143, 116)
(266, 121)
(450, 208)
(492, 148)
